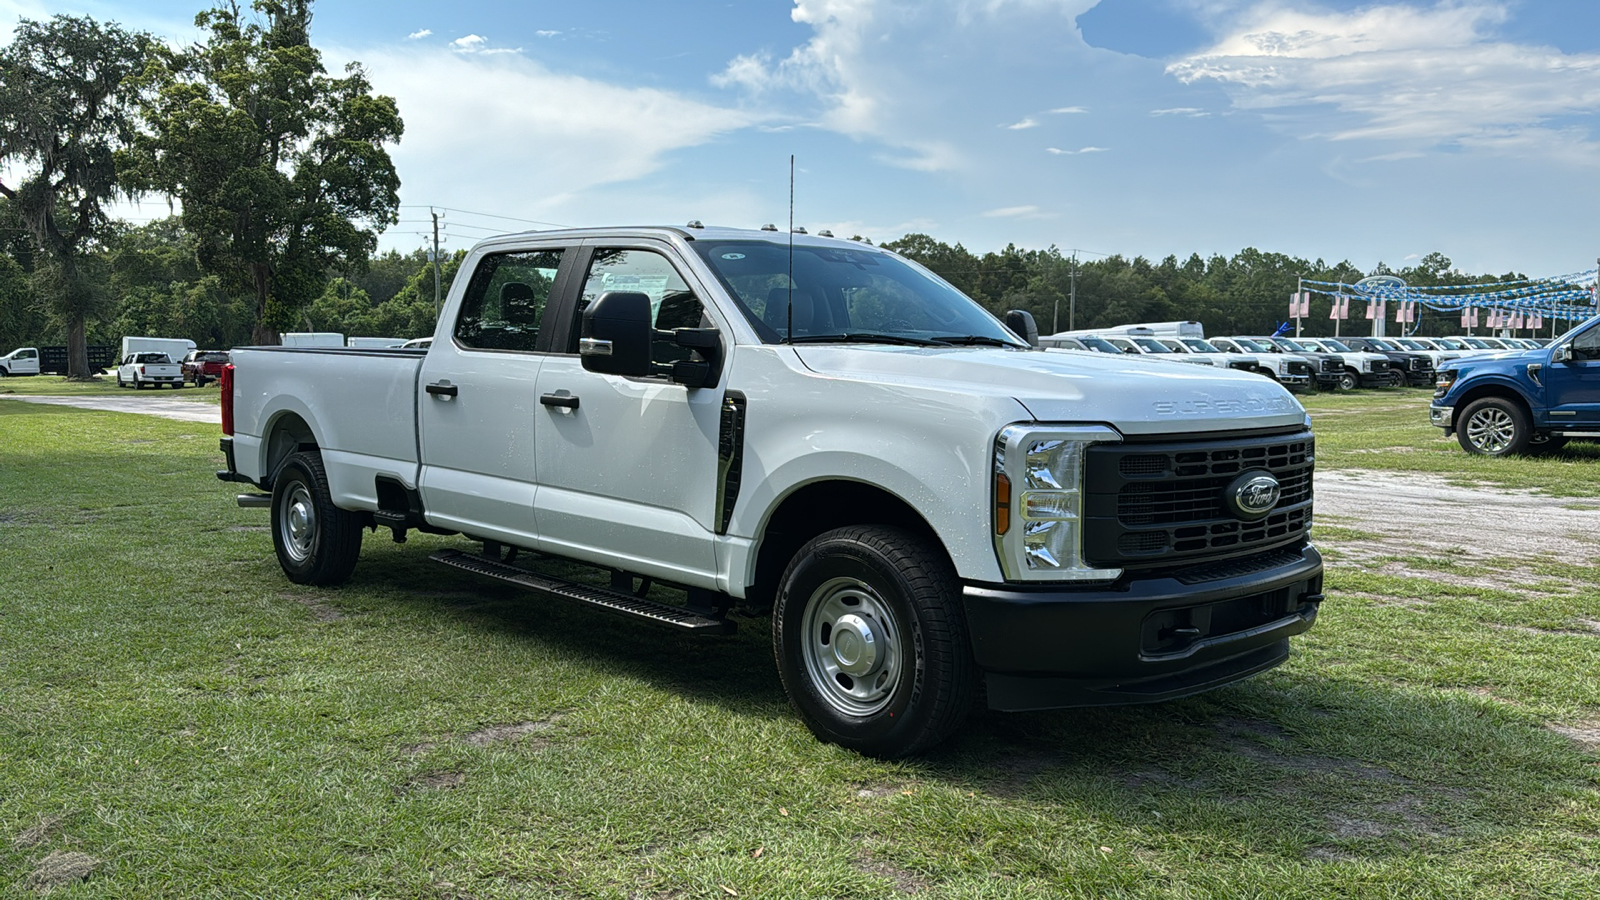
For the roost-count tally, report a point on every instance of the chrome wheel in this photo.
(851, 646)
(297, 524)
(1491, 430)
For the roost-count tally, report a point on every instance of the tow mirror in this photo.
(1562, 353)
(1021, 323)
(616, 334)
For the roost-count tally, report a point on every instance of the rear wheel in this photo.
(1493, 426)
(316, 541)
(871, 641)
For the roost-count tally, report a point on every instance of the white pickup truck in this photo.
(933, 512)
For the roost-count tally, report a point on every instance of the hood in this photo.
(1135, 394)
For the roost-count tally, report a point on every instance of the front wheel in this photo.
(317, 542)
(871, 641)
(1493, 426)
(1348, 381)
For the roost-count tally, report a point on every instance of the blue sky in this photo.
(1365, 131)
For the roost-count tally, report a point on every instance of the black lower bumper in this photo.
(231, 473)
(1142, 639)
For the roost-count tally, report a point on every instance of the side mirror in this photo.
(1021, 323)
(1561, 354)
(616, 334)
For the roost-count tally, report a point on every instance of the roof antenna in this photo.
(788, 334)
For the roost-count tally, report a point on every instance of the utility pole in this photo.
(437, 308)
(1072, 304)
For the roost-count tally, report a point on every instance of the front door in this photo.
(1572, 388)
(628, 466)
(477, 408)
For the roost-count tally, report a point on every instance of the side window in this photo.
(506, 299)
(1587, 345)
(27, 354)
(672, 303)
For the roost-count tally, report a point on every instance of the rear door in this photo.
(477, 410)
(628, 466)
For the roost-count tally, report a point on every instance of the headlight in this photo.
(1444, 378)
(1038, 502)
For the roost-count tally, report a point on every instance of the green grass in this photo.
(1388, 429)
(176, 710)
(99, 386)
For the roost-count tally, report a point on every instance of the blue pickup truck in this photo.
(1529, 401)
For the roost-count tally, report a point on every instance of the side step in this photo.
(649, 610)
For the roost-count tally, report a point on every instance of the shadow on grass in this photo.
(1332, 768)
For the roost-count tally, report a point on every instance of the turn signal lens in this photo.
(1002, 503)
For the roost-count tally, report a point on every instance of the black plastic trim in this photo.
(730, 457)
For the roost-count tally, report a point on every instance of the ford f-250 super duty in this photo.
(933, 512)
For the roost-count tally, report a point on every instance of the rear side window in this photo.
(506, 300)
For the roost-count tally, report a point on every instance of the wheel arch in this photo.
(819, 506)
(286, 433)
(1494, 389)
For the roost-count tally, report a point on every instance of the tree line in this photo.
(282, 182)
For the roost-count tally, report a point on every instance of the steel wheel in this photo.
(1348, 381)
(297, 522)
(851, 645)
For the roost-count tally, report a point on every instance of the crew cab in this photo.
(1525, 401)
(1414, 367)
(1361, 368)
(148, 368)
(933, 512)
(1288, 370)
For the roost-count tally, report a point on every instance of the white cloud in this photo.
(1189, 112)
(419, 34)
(1025, 123)
(547, 34)
(1060, 152)
(469, 44)
(1070, 109)
(502, 133)
(1419, 75)
(1011, 212)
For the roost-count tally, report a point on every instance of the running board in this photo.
(658, 613)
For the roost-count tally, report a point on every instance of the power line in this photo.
(469, 212)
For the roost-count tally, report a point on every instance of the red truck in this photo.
(204, 366)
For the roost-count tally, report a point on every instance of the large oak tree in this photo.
(66, 107)
(281, 169)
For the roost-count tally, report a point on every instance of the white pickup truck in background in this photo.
(933, 512)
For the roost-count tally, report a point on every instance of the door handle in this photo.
(442, 389)
(565, 401)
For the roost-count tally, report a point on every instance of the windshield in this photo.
(1449, 343)
(1377, 344)
(844, 294)
(1476, 344)
(1291, 346)
(1200, 345)
(1151, 345)
(1335, 346)
(1099, 344)
(1411, 345)
(1253, 346)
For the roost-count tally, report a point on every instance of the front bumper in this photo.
(1144, 639)
(1442, 416)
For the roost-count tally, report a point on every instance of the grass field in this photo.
(178, 720)
(100, 386)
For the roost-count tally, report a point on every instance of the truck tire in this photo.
(871, 641)
(1493, 426)
(317, 542)
(1349, 380)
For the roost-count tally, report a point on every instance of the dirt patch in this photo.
(903, 880)
(248, 528)
(1584, 734)
(1424, 515)
(42, 831)
(434, 781)
(1543, 632)
(521, 732)
(1386, 600)
(61, 868)
(876, 791)
(319, 607)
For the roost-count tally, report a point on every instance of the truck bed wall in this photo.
(359, 404)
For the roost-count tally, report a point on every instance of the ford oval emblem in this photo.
(1252, 495)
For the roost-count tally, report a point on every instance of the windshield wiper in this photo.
(865, 337)
(973, 340)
